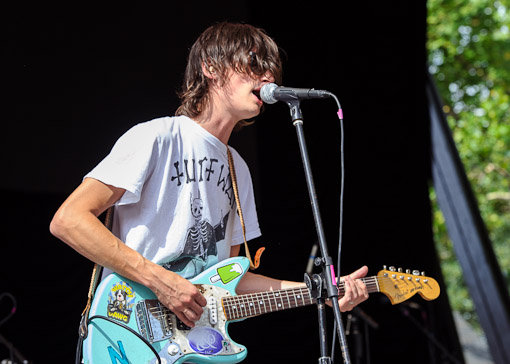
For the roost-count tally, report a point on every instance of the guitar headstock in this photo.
(399, 286)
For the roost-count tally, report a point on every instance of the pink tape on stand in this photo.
(340, 114)
(333, 274)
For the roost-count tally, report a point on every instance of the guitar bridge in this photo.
(154, 320)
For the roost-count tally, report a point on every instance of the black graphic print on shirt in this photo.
(200, 243)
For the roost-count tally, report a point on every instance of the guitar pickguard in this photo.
(208, 337)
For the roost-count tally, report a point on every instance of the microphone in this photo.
(271, 93)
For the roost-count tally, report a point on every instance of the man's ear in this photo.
(209, 71)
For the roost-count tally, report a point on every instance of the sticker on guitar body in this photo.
(121, 300)
(207, 341)
(227, 273)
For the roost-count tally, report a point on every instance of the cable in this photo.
(342, 179)
(341, 212)
(130, 330)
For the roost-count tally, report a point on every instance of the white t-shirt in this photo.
(179, 208)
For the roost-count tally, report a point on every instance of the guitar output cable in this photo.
(128, 329)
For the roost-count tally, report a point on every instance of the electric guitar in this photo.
(127, 324)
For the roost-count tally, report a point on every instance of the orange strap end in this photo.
(259, 252)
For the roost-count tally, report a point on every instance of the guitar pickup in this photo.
(213, 310)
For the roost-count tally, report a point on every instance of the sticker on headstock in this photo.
(121, 300)
(227, 273)
(207, 341)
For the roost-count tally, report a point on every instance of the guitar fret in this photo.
(269, 301)
(278, 297)
(252, 305)
(302, 296)
(288, 299)
(275, 297)
(226, 308)
(242, 306)
(235, 308)
(262, 303)
(249, 304)
(256, 304)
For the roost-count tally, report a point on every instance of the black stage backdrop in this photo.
(77, 80)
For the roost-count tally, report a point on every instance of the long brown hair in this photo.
(226, 46)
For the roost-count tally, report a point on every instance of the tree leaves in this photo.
(469, 57)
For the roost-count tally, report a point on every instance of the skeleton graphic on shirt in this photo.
(200, 235)
(200, 240)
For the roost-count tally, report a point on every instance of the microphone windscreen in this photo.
(267, 92)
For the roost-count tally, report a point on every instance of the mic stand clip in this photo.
(315, 284)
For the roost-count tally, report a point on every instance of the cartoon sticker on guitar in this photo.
(121, 300)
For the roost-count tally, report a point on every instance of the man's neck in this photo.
(218, 124)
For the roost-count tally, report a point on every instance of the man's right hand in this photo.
(180, 296)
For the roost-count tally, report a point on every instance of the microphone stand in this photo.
(323, 285)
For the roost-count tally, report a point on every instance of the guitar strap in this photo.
(96, 273)
(259, 252)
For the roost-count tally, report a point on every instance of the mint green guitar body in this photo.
(128, 325)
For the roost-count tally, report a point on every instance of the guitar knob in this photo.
(173, 350)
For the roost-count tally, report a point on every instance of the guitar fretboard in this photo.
(254, 304)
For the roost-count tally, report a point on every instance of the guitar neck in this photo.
(255, 304)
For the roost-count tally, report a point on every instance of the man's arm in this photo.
(76, 224)
(355, 290)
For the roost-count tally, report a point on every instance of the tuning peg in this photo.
(385, 267)
(416, 272)
(393, 269)
(400, 270)
(408, 271)
(422, 273)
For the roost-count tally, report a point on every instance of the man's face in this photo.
(240, 95)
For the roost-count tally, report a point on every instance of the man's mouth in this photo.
(257, 94)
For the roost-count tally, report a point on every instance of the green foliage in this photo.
(469, 57)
